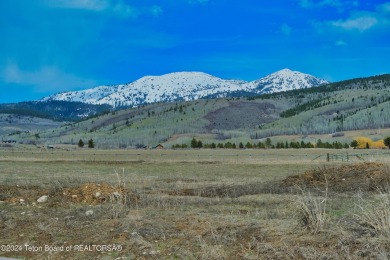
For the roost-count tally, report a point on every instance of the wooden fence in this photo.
(367, 157)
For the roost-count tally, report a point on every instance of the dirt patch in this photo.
(366, 177)
(221, 191)
(346, 178)
(241, 115)
(91, 193)
(21, 193)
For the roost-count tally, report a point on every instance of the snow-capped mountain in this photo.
(285, 80)
(186, 86)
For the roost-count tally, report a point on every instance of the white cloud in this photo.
(359, 21)
(305, 3)
(111, 7)
(384, 8)
(199, 1)
(91, 5)
(362, 23)
(123, 10)
(47, 78)
(117, 8)
(286, 29)
(338, 3)
(341, 43)
(331, 3)
(155, 10)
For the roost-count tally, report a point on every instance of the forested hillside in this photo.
(349, 105)
(55, 110)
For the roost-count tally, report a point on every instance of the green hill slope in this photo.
(343, 106)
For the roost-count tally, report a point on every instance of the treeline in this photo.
(267, 144)
(55, 110)
(304, 107)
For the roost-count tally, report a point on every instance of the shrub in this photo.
(373, 217)
(387, 141)
(378, 144)
(312, 213)
(366, 143)
(354, 144)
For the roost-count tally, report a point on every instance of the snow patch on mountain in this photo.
(186, 86)
(285, 80)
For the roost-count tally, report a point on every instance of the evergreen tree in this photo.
(194, 143)
(354, 144)
(91, 144)
(81, 143)
(268, 143)
(387, 142)
(319, 144)
(248, 145)
(228, 145)
(241, 145)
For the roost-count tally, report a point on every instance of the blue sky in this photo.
(50, 46)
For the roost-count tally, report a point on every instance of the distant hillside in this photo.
(362, 103)
(12, 125)
(55, 110)
(348, 105)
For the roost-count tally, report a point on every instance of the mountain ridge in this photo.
(186, 86)
(355, 104)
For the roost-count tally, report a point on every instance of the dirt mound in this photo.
(21, 194)
(94, 193)
(351, 177)
(91, 193)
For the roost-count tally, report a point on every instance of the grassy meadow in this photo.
(193, 204)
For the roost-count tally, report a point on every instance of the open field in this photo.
(191, 204)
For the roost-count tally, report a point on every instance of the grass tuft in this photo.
(373, 217)
(312, 214)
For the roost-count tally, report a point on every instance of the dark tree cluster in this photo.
(267, 144)
(91, 143)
